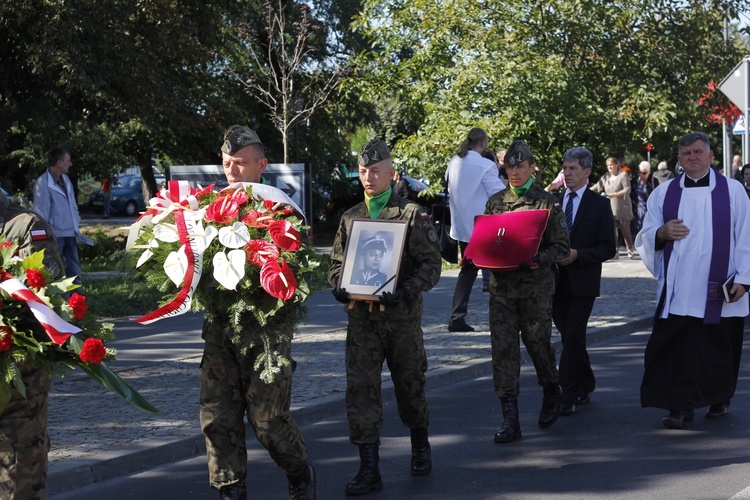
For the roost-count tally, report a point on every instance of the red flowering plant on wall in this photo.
(716, 106)
(232, 253)
(43, 325)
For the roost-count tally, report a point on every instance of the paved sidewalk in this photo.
(95, 435)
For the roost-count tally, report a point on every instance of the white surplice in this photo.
(690, 262)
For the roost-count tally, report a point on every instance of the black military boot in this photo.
(302, 487)
(368, 478)
(511, 428)
(550, 405)
(235, 492)
(421, 454)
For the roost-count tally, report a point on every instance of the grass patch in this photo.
(106, 252)
(119, 296)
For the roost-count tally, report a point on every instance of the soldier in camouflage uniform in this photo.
(522, 299)
(394, 334)
(230, 387)
(24, 442)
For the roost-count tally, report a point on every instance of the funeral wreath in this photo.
(233, 254)
(45, 326)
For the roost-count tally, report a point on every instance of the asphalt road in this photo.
(611, 449)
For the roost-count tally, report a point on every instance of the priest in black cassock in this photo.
(696, 235)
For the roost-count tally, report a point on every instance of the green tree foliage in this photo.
(124, 81)
(291, 73)
(608, 75)
(117, 81)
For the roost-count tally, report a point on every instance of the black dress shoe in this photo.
(460, 327)
(718, 410)
(678, 420)
(582, 399)
(567, 409)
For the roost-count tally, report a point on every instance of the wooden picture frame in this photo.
(372, 257)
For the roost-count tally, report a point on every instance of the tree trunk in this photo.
(285, 137)
(148, 186)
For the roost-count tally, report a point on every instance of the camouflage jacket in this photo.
(31, 233)
(420, 262)
(555, 244)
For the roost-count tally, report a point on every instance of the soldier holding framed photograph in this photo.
(392, 333)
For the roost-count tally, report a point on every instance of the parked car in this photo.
(347, 193)
(126, 197)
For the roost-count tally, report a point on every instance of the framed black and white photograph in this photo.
(372, 257)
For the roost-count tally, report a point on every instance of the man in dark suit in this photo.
(592, 241)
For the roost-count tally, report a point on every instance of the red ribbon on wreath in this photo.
(182, 195)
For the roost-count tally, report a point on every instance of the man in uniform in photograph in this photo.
(521, 300)
(592, 241)
(371, 258)
(392, 333)
(24, 441)
(695, 235)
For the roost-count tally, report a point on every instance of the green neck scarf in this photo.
(375, 204)
(520, 191)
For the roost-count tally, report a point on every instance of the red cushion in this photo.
(502, 241)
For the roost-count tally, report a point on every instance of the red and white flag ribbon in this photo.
(177, 195)
(57, 328)
(194, 253)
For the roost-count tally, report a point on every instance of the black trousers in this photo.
(465, 282)
(571, 315)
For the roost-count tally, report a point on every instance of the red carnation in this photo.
(77, 302)
(6, 338)
(284, 235)
(278, 279)
(253, 218)
(222, 211)
(35, 278)
(259, 251)
(92, 351)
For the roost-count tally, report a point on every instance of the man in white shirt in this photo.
(694, 236)
(472, 179)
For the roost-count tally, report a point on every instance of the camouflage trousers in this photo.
(24, 442)
(400, 343)
(230, 388)
(533, 318)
